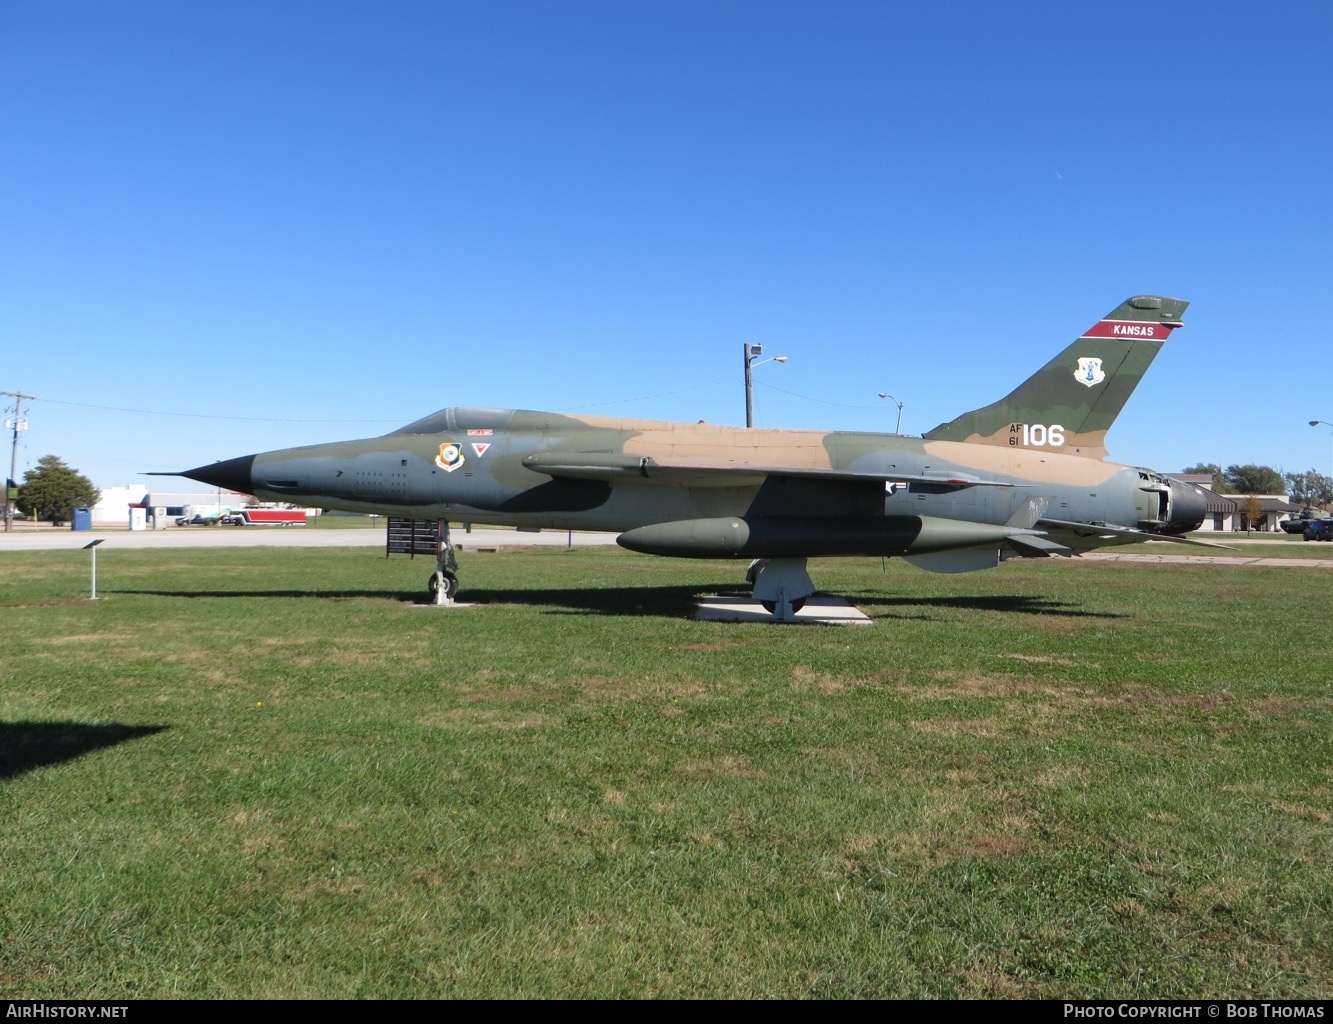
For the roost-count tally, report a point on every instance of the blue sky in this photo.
(230, 227)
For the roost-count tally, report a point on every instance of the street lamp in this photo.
(753, 352)
(899, 428)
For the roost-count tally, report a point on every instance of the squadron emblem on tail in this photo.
(1089, 372)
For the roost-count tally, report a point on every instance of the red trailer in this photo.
(265, 517)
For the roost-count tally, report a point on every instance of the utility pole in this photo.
(750, 352)
(19, 424)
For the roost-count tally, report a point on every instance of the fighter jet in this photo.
(1024, 477)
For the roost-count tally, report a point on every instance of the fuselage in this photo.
(487, 466)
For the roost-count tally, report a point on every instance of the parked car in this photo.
(1320, 529)
(196, 520)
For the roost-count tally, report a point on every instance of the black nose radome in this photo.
(232, 475)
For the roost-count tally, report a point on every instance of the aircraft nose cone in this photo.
(232, 475)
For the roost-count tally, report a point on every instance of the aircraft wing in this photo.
(704, 472)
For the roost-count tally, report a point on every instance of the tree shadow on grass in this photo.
(28, 745)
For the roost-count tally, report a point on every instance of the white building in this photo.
(114, 507)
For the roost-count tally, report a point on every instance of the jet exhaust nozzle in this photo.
(1188, 508)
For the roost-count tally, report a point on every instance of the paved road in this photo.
(276, 537)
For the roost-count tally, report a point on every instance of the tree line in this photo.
(1309, 488)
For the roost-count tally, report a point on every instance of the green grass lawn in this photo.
(268, 773)
(345, 522)
(1284, 547)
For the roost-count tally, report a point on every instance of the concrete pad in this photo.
(820, 611)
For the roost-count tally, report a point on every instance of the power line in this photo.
(821, 401)
(197, 415)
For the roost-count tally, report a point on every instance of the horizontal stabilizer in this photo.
(1085, 536)
(1037, 547)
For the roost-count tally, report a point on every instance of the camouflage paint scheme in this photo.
(1023, 476)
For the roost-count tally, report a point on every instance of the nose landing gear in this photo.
(443, 583)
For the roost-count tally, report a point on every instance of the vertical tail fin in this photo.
(1070, 403)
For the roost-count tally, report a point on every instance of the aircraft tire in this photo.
(772, 606)
(450, 585)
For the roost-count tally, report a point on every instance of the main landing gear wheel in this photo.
(781, 586)
(450, 584)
